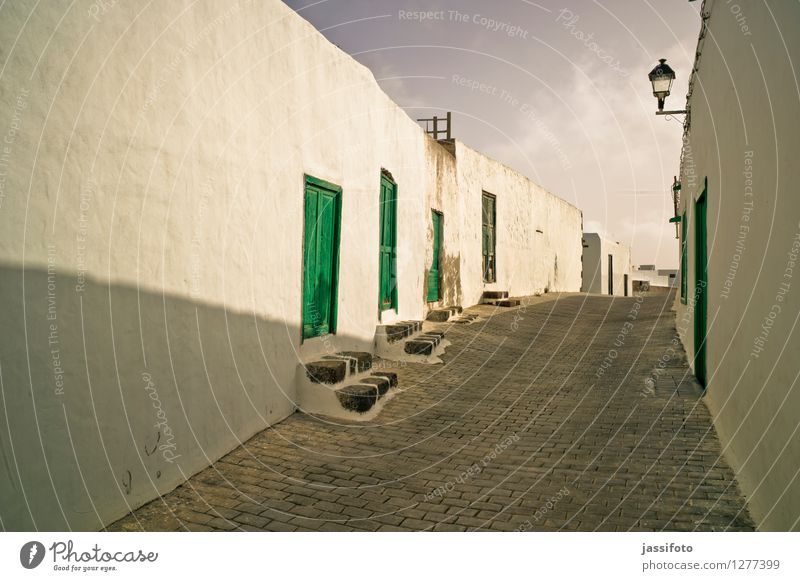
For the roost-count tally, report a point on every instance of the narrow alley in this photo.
(570, 412)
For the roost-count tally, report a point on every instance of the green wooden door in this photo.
(489, 223)
(388, 245)
(433, 274)
(320, 257)
(701, 288)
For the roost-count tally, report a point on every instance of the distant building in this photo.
(655, 279)
(606, 266)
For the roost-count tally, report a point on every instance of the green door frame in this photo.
(684, 258)
(387, 255)
(434, 274)
(701, 285)
(321, 249)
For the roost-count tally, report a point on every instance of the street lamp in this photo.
(661, 77)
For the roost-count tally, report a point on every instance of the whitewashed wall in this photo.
(596, 250)
(151, 248)
(527, 261)
(744, 139)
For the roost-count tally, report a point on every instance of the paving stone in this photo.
(520, 395)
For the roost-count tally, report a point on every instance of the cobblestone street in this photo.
(551, 416)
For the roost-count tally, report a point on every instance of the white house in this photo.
(656, 279)
(739, 303)
(197, 201)
(606, 266)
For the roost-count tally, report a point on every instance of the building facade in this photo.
(185, 226)
(606, 266)
(661, 278)
(739, 212)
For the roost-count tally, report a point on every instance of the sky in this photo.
(556, 90)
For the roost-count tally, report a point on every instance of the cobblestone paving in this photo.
(572, 412)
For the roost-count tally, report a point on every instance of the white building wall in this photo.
(743, 138)
(596, 250)
(151, 248)
(656, 278)
(538, 234)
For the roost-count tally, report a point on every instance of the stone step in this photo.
(465, 319)
(493, 295)
(508, 303)
(363, 396)
(422, 345)
(443, 315)
(394, 332)
(359, 361)
(329, 371)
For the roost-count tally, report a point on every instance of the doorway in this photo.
(388, 244)
(610, 275)
(701, 287)
(323, 217)
(434, 274)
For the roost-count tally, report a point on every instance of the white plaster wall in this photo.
(596, 250)
(655, 278)
(442, 195)
(744, 139)
(187, 127)
(152, 204)
(526, 259)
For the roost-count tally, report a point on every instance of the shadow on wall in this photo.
(113, 395)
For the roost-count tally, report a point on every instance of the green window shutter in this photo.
(434, 273)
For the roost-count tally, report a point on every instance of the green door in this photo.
(489, 223)
(433, 274)
(320, 257)
(701, 288)
(388, 245)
